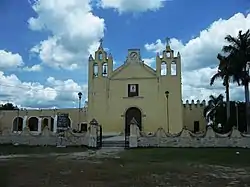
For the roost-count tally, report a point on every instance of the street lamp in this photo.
(247, 103)
(80, 99)
(167, 94)
(237, 115)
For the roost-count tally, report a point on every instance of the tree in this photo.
(239, 57)
(8, 106)
(224, 73)
(213, 103)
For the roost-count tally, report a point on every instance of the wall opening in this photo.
(84, 127)
(45, 122)
(18, 124)
(196, 126)
(51, 124)
(33, 124)
(95, 70)
(173, 68)
(105, 69)
(132, 114)
(100, 56)
(168, 54)
(164, 68)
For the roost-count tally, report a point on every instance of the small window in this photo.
(95, 72)
(133, 90)
(196, 126)
(164, 68)
(100, 56)
(105, 69)
(173, 68)
(84, 127)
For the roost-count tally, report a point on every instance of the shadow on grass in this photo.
(22, 149)
(221, 156)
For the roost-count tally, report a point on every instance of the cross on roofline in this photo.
(167, 41)
(101, 41)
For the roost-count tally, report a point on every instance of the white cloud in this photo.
(149, 61)
(33, 94)
(8, 60)
(199, 57)
(74, 28)
(132, 5)
(34, 68)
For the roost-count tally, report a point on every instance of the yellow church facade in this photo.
(136, 91)
(133, 92)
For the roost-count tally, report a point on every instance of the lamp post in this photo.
(167, 94)
(247, 103)
(79, 115)
(237, 115)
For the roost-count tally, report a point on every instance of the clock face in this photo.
(133, 55)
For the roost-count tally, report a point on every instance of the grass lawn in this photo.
(138, 167)
(11, 149)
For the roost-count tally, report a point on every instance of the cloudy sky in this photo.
(44, 44)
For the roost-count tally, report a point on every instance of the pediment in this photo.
(133, 70)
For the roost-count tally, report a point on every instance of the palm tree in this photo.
(239, 55)
(213, 103)
(225, 72)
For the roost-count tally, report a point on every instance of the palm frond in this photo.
(215, 76)
(234, 41)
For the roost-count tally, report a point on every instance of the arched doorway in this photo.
(33, 124)
(18, 124)
(131, 113)
(45, 123)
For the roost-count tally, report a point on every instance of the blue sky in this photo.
(45, 44)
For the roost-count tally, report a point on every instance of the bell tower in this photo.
(168, 70)
(100, 69)
(101, 65)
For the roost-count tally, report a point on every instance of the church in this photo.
(133, 92)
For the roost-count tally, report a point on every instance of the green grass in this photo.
(148, 167)
(222, 156)
(21, 149)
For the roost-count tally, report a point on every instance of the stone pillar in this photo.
(93, 133)
(133, 138)
(25, 121)
(55, 124)
(39, 125)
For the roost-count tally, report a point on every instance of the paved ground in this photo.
(114, 138)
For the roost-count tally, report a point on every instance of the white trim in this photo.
(55, 124)
(71, 121)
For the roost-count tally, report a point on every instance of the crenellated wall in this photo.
(188, 139)
(193, 111)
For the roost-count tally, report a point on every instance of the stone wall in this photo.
(68, 138)
(188, 139)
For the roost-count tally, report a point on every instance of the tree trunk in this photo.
(247, 106)
(228, 102)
